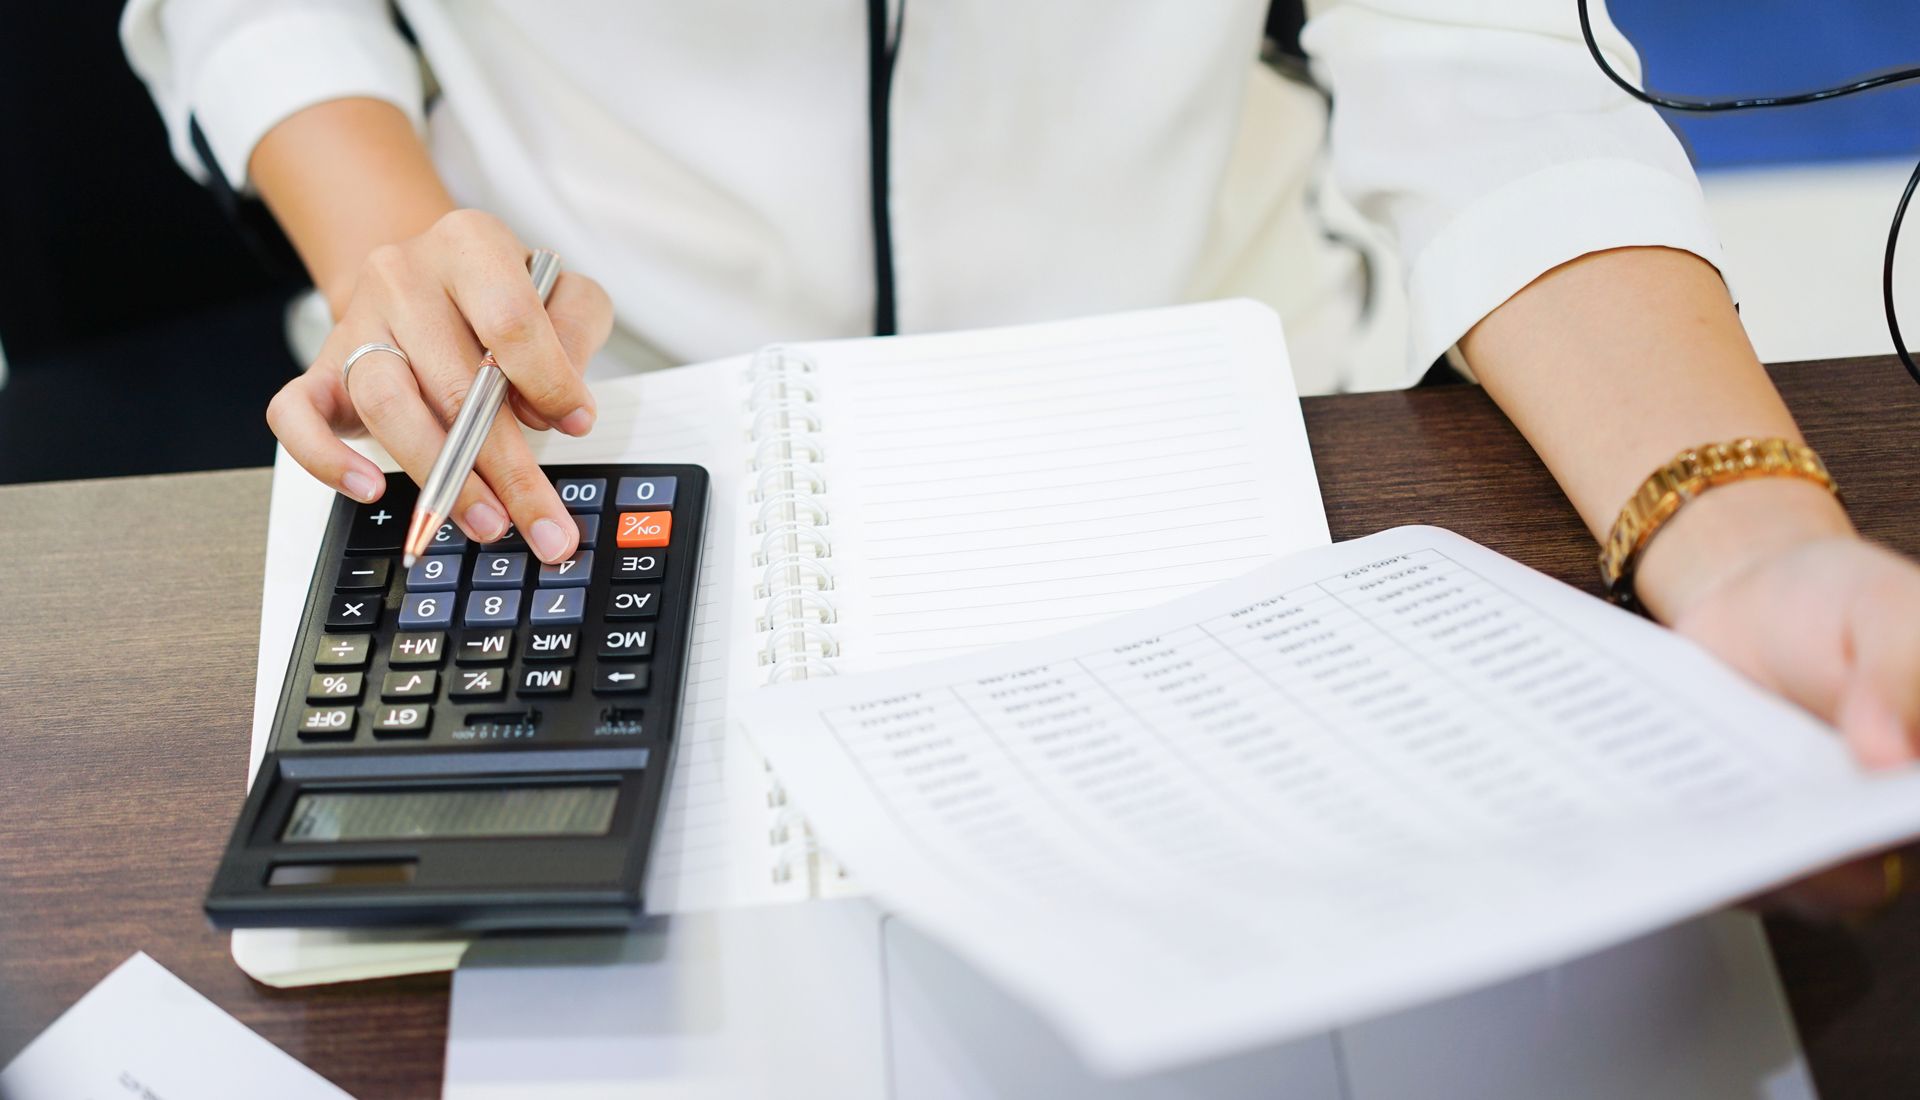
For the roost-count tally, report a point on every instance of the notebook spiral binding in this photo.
(795, 613)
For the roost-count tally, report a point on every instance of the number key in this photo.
(492, 608)
(448, 539)
(558, 606)
(645, 492)
(499, 570)
(589, 525)
(572, 573)
(582, 494)
(427, 610)
(434, 573)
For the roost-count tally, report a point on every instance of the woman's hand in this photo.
(1816, 614)
(445, 296)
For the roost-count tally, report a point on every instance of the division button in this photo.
(434, 573)
(645, 492)
(550, 680)
(498, 570)
(620, 679)
(638, 529)
(353, 611)
(572, 573)
(639, 566)
(341, 651)
(626, 642)
(410, 684)
(638, 602)
(553, 645)
(558, 606)
(477, 683)
(326, 723)
(325, 686)
(424, 648)
(492, 608)
(363, 575)
(582, 494)
(484, 647)
(426, 610)
(408, 718)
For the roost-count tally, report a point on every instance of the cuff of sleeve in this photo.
(272, 67)
(1506, 240)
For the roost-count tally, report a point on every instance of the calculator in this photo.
(480, 741)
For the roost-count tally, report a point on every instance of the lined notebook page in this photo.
(991, 486)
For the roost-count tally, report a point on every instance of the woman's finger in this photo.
(508, 465)
(582, 316)
(485, 275)
(388, 400)
(301, 416)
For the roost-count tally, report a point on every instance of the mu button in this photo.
(620, 679)
(547, 680)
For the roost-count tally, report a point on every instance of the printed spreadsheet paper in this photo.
(1364, 777)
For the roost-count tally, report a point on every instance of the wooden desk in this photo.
(128, 618)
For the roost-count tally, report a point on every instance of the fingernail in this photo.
(359, 486)
(485, 521)
(577, 422)
(548, 540)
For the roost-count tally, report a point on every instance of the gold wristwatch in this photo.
(1691, 473)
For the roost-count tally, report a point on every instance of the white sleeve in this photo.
(239, 67)
(1484, 137)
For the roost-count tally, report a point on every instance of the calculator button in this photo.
(582, 494)
(363, 574)
(644, 529)
(358, 611)
(512, 540)
(620, 679)
(319, 723)
(411, 684)
(552, 645)
(589, 525)
(645, 492)
(572, 573)
(638, 602)
(558, 606)
(434, 573)
(484, 647)
(341, 651)
(478, 683)
(448, 539)
(627, 642)
(324, 686)
(428, 610)
(417, 648)
(409, 718)
(492, 608)
(551, 680)
(496, 570)
(381, 526)
(639, 567)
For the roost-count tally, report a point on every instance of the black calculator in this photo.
(482, 740)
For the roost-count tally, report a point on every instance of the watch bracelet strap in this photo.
(1690, 473)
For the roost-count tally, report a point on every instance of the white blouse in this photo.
(709, 162)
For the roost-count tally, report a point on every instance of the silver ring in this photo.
(367, 349)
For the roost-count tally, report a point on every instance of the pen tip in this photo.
(419, 533)
(407, 560)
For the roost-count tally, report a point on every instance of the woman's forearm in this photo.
(342, 178)
(1614, 362)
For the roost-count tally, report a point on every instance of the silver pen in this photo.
(469, 429)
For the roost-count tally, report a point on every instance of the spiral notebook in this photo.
(883, 501)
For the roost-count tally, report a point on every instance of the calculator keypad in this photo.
(475, 643)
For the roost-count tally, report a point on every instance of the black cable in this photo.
(1703, 106)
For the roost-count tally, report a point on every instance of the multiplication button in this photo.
(353, 611)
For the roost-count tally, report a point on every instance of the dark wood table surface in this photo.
(129, 612)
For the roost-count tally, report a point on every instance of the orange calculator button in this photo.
(644, 529)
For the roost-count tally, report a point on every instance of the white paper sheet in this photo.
(1357, 779)
(144, 1033)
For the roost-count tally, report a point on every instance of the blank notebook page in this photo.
(987, 487)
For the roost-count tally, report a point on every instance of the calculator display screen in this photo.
(577, 810)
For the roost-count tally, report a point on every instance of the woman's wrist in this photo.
(1728, 530)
